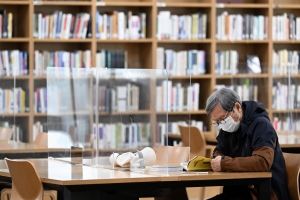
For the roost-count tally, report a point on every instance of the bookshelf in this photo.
(141, 53)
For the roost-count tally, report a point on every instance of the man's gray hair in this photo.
(225, 96)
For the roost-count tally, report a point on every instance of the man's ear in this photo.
(238, 106)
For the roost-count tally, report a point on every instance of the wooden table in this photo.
(290, 148)
(21, 150)
(210, 138)
(77, 182)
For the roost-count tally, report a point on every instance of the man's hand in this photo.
(216, 164)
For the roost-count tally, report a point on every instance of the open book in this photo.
(198, 163)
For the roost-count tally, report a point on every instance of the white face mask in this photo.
(230, 125)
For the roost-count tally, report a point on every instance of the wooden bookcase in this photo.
(142, 52)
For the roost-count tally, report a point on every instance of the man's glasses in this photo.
(217, 123)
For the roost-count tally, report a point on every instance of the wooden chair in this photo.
(292, 162)
(41, 139)
(192, 137)
(26, 183)
(5, 133)
(175, 154)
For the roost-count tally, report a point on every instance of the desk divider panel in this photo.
(286, 106)
(115, 118)
(69, 112)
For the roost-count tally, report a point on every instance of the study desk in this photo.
(290, 148)
(18, 150)
(211, 140)
(78, 182)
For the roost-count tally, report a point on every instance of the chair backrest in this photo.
(175, 154)
(292, 162)
(192, 137)
(41, 139)
(26, 183)
(5, 133)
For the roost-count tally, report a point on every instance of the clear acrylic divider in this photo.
(124, 128)
(69, 113)
(286, 103)
(175, 99)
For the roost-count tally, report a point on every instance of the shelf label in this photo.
(99, 3)
(220, 5)
(37, 3)
(161, 4)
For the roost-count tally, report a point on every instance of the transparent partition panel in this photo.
(125, 121)
(69, 112)
(177, 96)
(285, 106)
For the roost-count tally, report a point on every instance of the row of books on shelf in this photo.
(181, 27)
(61, 25)
(112, 58)
(6, 24)
(65, 95)
(285, 62)
(120, 98)
(13, 100)
(226, 62)
(285, 96)
(120, 25)
(13, 63)
(172, 127)
(40, 100)
(17, 134)
(241, 27)
(66, 59)
(245, 91)
(176, 97)
(286, 123)
(286, 27)
(120, 135)
(190, 62)
(288, 139)
(125, 98)
(37, 128)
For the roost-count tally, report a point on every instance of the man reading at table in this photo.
(247, 142)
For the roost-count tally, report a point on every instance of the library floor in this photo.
(194, 193)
